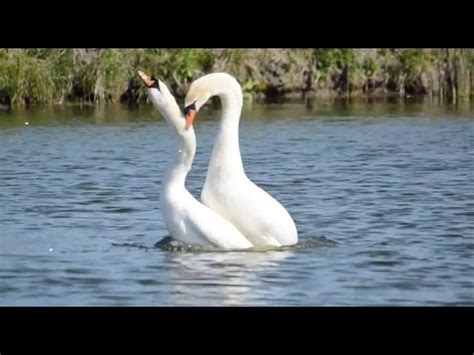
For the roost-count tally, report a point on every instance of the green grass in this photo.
(59, 76)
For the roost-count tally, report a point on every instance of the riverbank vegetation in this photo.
(58, 76)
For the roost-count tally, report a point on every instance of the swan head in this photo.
(164, 101)
(157, 90)
(202, 89)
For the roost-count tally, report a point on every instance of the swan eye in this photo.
(156, 83)
(190, 107)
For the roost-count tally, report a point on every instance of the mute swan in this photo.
(186, 218)
(227, 189)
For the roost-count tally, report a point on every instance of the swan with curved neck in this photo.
(186, 218)
(227, 189)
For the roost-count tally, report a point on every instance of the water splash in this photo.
(131, 245)
(170, 244)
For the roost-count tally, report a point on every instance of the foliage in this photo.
(56, 76)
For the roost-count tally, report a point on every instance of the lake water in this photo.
(382, 195)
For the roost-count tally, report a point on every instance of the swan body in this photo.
(227, 189)
(187, 219)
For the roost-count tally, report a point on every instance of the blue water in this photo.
(382, 195)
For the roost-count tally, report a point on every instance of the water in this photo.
(382, 195)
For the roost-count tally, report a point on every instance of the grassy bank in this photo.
(57, 76)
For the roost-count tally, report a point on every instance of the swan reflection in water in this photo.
(215, 278)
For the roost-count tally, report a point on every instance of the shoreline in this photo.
(309, 101)
(98, 75)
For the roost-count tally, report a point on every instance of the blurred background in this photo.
(52, 76)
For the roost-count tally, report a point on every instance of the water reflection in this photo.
(229, 278)
(391, 183)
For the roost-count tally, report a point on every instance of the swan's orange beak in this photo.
(146, 79)
(190, 114)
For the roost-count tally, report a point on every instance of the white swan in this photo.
(228, 190)
(186, 218)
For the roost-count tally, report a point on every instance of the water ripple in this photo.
(383, 206)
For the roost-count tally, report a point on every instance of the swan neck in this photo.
(226, 151)
(183, 160)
